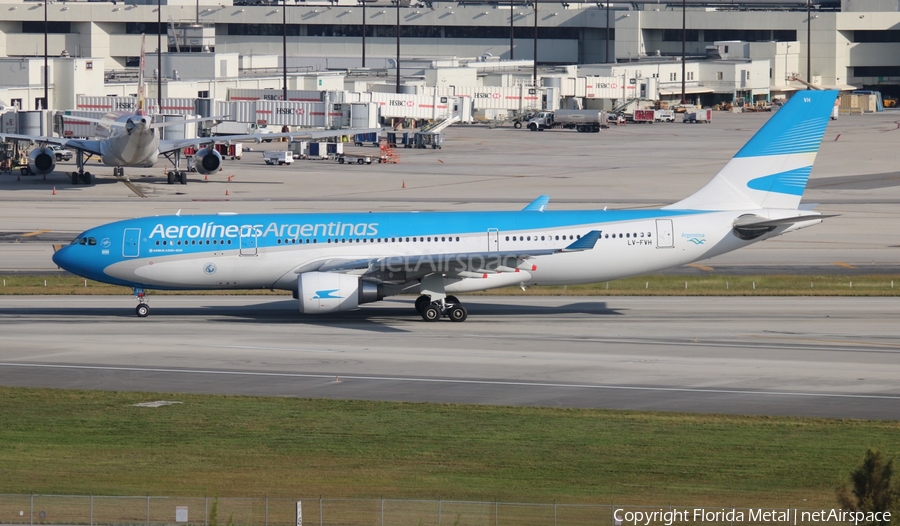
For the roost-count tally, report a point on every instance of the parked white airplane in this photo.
(134, 142)
(337, 261)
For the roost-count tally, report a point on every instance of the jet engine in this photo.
(207, 161)
(41, 161)
(324, 292)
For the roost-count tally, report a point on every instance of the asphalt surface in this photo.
(826, 357)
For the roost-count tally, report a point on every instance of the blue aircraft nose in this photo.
(68, 258)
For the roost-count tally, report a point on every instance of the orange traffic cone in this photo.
(206, 177)
(404, 184)
(54, 190)
(230, 177)
(227, 192)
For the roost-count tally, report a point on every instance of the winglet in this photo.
(586, 242)
(538, 204)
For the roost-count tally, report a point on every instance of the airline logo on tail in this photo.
(772, 169)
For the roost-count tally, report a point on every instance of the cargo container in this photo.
(279, 157)
(643, 116)
(361, 139)
(235, 150)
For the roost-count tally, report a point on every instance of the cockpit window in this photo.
(92, 241)
(83, 241)
(75, 241)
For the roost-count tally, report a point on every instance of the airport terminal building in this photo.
(853, 43)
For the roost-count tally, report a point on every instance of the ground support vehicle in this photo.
(353, 159)
(698, 116)
(579, 120)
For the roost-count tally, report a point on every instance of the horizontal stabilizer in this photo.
(586, 242)
(762, 222)
(538, 204)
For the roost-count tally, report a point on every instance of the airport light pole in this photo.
(683, 46)
(46, 67)
(511, 32)
(398, 45)
(284, 95)
(363, 2)
(159, 68)
(534, 66)
(808, 45)
(607, 32)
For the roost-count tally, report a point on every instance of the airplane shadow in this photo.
(375, 317)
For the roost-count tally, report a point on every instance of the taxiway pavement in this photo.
(826, 357)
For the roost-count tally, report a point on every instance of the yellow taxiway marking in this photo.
(701, 267)
(844, 265)
(36, 233)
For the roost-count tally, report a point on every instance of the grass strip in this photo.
(81, 442)
(655, 285)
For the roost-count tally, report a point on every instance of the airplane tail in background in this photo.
(772, 169)
(141, 110)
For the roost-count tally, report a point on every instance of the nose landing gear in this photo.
(143, 309)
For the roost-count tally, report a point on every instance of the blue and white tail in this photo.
(771, 170)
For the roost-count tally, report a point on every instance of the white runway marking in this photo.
(344, 378)
(255, 348)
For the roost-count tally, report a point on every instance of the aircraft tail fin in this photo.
(772, 169)
(141, 110)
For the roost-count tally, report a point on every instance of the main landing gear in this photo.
(435, 310)
(81, 175)
(177, 175)
(143, 309)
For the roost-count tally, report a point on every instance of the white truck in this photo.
(580, 120)
(241, 128)
(279, 157)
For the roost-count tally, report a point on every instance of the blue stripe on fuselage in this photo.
(196, 234)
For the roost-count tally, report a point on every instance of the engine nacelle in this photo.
(324, 292)
(207, 161)
(42, 161)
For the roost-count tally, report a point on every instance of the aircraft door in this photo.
(664, 234)
(493, 239)
(131, 243)
(248, 241)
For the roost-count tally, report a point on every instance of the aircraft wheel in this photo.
(182, 177)
(142, 310)
(458, 313)
(431, 313)
(171, 178)
(75, 177)
(421, 303)
(88, 178)
(452, 300)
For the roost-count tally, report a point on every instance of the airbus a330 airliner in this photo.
(336, 261)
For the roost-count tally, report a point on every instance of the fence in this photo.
(208, 511)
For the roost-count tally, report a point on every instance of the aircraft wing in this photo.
(405, 268)
(199, 142)
(77, 144)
